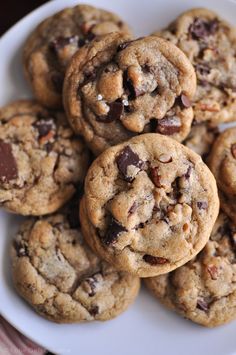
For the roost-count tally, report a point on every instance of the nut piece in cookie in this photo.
(210, 44)
(204, 290)
(62, 279)
(41, 161)
(49, 48)
(222, 162)
(149, 205)
(116, 88)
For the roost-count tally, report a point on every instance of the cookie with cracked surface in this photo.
(222, 162)
(210, 44)
(62, 279)
(201, 138)
(50, 47)
(116, 88)
(41, 161)
(149, 205)
(204, 290)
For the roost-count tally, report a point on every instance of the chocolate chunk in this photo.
(8, 165)
(202, 305)
(43, 127)
(115, 112)
(130, 89)
(155, 177)
(201, 29)
(20, 248)
(213, 271)
(168, 125)
(94, 311)
(123, 46)
(233, 150)
(154, 260)
(92, 281)
(185, 101)
(61, 42)
(128, 158)
(90, 36)
(202, 205)
(113, 232)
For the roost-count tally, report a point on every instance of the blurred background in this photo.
(11, 11)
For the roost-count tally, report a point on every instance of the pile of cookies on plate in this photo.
(121, 184)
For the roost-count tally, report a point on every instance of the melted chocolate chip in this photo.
(128, 158)
(61, 42)
(43, 127)
(131, 91)
(155, 177)
(113, 232)
(202, 305)
(57, 81)
(201, 29)
(123, 46)
(8, 165)
(168, 125)
(92, 281)
(133, 208)
(202, 205)
(202, 69)
(188, 173)
(94, 311)
(233, 150)
(20, 248)
(154, 260)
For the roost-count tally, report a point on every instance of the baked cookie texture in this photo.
(41, 161)
(61, 278)
(210, 44)
(222, 162)
(116, 88)
(204, 290)
(149, 205)
(51, 45)
(201, 138)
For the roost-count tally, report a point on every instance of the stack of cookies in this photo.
(118, 164)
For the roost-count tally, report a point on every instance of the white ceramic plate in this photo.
(147, 327)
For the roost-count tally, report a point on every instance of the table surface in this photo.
(11, 11)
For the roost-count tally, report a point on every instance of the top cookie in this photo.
(210, 44)
(150, 205)
(41, 161)
(52, 44)
(204, 290)
(222, 162)
(116, 88)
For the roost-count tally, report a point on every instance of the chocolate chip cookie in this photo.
(116, 88)
(204, 290)
(222, 162)
(41, 161)
(62, 279)
(50, 47)
(201, 138)
(149, 205)
(210, 44)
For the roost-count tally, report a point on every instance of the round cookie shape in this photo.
(62, 279)
(116, 88)
(51, 45)
(41, 161)
(222, 162)
(201, 138)
(204, 290)
(149, 205)
(209, 42)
